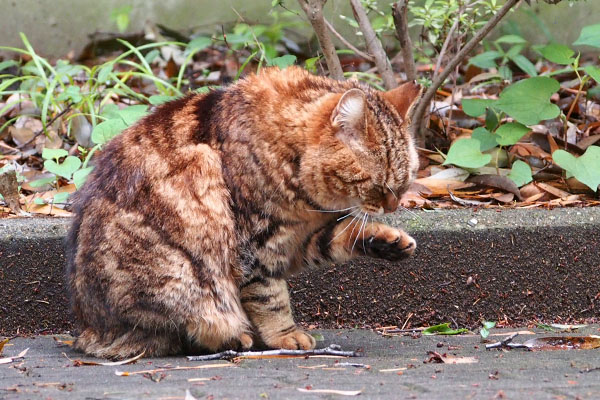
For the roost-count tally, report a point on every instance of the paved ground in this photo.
(46, 373)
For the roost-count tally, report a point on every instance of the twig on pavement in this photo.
(332, 350)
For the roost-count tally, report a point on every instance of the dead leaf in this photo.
(8, 360)
(2, 343)
(21, 135)
(9, 189)
(331, 391)
(439, 187)
(78, 363)
(588, 141)
(564, 343)
(496, 181)
(467, 203)
(556, 192)
(152, 371)
(503, 197)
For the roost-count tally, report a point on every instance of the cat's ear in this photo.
(349, 113)
(404, 98)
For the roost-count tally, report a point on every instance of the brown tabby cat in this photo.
(194, 217)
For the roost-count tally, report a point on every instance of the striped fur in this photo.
(193, 218)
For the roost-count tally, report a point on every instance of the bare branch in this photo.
(314, 12)
(423, 105)
(332, 350)
(374, 45)
(347, 43)
(400, 9)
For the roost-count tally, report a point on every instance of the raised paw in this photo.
(389, 244)
(295, 339)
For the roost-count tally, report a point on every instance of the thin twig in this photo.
(423, 105)
(374, 45)
(332, 350)
(314, 11)
(507, 343)
(400, 9)
(346, 43)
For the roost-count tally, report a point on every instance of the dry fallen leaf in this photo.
(78, 363)
(151, 371)
(8, 360)
(564, 343)
(331, 391)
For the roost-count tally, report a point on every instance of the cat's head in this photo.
(365, 155)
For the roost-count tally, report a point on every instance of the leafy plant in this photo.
(484, 331)
(443, 329)
(120, 16)
(500, 56)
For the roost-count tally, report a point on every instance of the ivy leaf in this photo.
(443, 329)
(511, 39)
(590, 36)
(71, 93)
(132, 114)
(485, 60)
(199, 43)
(476, 107)
(510, 133)
(594, 72)
(54, 154)
(487, 140)
(283, 61)
(466, 153)
(159, 99)
(524, 64)
(64, 169)
(485, 329)
(520, 173)
(104, 72)
(60, 197)
(585, 169)
(556, 53)
(107, 130)
(80, 176)
(528, 101)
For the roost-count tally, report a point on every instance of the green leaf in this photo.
(466, 153)
(110, 111)
(491, 120)
(485, 329)
(132, 114)
(71, 93)
(485, 60)
(512, 39)
(120, 16)
(159, 99)
(594, 72)
(49, 154)
(505, 73)
(524, 64)
(151, 56)
(476, 107)
(510, 133)
(520, 173)
(487, 140)
(199, 43)
(39, 201)
(60, 197)
(443, 329)
(41, 182)
(556, 53)
(104, 72)
(106, 130)
(586, 168)
(283, 61)
(528, 101)
(318, 337)
(80, 176)
(590, 36)
(7, 64)
(64, 169)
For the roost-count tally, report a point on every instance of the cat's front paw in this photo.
(295, 340)
(390, 244)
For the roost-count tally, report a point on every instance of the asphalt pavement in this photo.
(392, 368)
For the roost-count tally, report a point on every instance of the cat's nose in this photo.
(390, 203)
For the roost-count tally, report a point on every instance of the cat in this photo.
(193, 218)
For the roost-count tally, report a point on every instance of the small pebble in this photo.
(472, 222)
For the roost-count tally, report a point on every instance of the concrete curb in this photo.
(514, 265)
